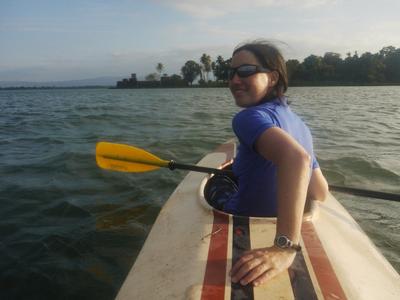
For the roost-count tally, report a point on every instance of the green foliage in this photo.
(391, 59)
(206, 65)
(220, 68)
(380, 68)
(152, 77)
(173, 81)
(292, 66)
(160, 68)
(365, 69)
(190, 71)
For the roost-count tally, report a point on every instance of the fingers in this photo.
(247, 256)
(259, 266)
(264, 277)
(255, 273)
(239, 264)
(245, 271)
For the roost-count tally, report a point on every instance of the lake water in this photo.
(71, 230)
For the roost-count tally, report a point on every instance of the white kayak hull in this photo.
(189, 252)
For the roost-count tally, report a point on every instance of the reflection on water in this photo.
(72, 230)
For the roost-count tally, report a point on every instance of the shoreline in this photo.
(23, 88)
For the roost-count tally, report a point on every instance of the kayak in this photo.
(190, 249)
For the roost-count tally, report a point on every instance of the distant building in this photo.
(128, 82)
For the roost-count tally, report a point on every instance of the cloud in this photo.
(365, 38)
(212, 9)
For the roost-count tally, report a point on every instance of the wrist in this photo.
(284, 243)
(286, 251)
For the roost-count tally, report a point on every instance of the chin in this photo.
(239, 102)
(243, 102)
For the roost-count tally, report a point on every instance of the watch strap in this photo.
(283, 242)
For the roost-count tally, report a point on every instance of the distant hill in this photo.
(99, 81)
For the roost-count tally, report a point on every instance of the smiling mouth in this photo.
(238, 91)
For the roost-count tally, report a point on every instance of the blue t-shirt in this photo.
(256, 175)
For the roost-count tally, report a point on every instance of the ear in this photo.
(273, 77)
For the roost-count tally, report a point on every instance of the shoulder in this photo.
(249, 123)
(261, 113)
(248, 115)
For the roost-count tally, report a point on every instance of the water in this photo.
(71, 230)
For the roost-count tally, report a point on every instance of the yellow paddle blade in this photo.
(124, 158)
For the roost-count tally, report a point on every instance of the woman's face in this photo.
(249, 91)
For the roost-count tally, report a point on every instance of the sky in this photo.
(54, 40)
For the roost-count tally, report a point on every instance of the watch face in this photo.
(282, 241)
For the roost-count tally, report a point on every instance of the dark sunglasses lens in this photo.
(231, 73)
(246, 71)
(243, 71)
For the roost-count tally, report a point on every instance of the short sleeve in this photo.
(249, 124)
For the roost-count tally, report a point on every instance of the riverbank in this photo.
(220, 85)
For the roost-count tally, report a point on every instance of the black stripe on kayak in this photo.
(240, 244)
(300, 279)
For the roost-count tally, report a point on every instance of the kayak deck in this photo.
(190, 249)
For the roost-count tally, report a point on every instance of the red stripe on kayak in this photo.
(214, 278)
(327, 279)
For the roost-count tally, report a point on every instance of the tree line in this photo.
(379, 68)
(382, 67)
(193, 70)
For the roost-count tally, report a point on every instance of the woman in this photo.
(275, 166)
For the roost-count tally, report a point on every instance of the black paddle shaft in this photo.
(173, 165)
(366, 193)
(349, 190)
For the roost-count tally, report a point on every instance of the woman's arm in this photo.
(293, 168)
(318, 188)
(293, 171)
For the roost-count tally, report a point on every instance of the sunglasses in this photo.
(246, 71)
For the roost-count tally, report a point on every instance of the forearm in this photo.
(293, 174)
(260, 265)
(293, 167)
(293, 179)
(318, 188)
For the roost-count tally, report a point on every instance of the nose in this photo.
(235, 78)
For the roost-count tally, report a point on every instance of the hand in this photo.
(259, 265)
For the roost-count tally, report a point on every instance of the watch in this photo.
(283, 242)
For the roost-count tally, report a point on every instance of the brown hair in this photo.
(271, 58)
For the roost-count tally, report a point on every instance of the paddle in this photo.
(124, 158)
(365, 193)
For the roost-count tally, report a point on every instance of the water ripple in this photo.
(71, 228)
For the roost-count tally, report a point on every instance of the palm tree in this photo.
(160, 69)
(206, 61)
